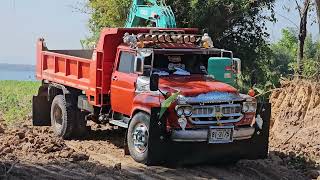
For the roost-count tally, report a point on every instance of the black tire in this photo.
(140, 120)
(62, 117)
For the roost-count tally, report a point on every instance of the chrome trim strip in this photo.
(214, 115)
(215, 97)
(202, 135)
(216, 122)
(219, 105)
(210, 110)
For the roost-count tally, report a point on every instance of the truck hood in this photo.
(194, 85)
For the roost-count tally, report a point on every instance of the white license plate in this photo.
(220, 135)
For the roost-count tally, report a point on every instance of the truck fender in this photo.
(52, 93)
(41, 104)
(137, 109)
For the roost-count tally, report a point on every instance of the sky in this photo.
(289, 18)
(22, 22)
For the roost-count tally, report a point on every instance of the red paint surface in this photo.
(90, 75)
(96, 76)
(194, 85)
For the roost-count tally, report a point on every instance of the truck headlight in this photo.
(249, 107)
(188, 111)
(184, 111)
(179, 111)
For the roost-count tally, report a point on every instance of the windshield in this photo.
(178, 64)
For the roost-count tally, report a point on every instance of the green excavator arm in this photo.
(152, 13)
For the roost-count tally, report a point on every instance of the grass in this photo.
(16, 100)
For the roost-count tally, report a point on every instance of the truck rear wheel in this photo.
(62, 117)
(138, 137)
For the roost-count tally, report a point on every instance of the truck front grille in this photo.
(223, 110)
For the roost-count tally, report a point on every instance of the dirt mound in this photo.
(28, 152)
(296, 119)
(34, 144)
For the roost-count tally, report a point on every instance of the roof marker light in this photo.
(193, 39)
(154, 38)
(174, 38)
(161, 38)
(167, 38)
(140, 37)
(148, 37)
(186, 39)
(180, 39)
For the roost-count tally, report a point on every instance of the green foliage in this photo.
(16, 99)
(311, 68)
(284, 55)
(288, 42)
(237, 25)
(105, 13)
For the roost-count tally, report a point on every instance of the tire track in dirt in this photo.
(109, 154)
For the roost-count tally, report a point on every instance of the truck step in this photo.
(121, 123)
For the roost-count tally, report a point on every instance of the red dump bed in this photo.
(88, 70)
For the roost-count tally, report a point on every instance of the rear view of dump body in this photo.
(86, 70)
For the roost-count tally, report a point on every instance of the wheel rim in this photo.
(140, 137)
(57, 115)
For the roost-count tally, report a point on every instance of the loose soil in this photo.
(28, 152)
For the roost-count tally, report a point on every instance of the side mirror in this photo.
(139, 65)
(154, 82)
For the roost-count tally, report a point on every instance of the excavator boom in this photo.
(150, 13)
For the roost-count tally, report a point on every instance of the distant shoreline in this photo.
(16, 67)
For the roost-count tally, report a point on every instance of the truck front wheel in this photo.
(61, 117)
(138, 137)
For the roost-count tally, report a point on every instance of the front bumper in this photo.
(202, 135)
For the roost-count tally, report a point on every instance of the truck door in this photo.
(123, 83)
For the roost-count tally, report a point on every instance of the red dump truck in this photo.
(154, 84)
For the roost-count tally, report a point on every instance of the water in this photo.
(21, 75)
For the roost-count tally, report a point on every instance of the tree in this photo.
(284, 53)
(237, 25)
(303, 11)
(104, 13)
(318, 11)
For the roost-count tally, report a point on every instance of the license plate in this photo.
(220, 135)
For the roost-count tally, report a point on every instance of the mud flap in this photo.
(157, 139)
(41, 111)
(164, 151)
(260, 141)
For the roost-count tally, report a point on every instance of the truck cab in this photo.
(149, 69)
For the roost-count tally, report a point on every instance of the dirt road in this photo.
(34, 153)
(28, 152)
